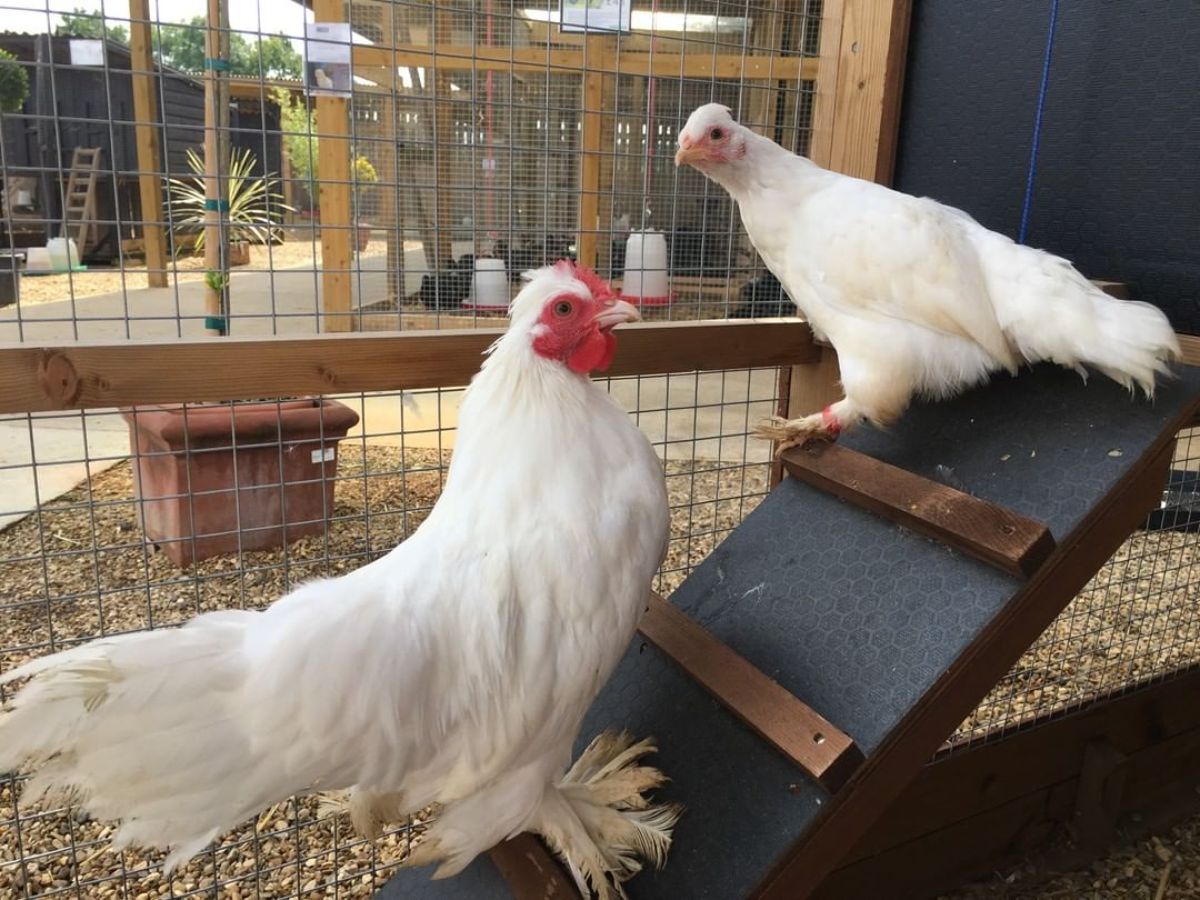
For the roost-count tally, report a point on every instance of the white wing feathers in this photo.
(918, 297)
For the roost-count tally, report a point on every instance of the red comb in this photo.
(600, 289)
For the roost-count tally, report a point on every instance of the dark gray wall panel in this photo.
(1118, 181)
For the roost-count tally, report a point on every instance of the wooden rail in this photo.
(572, 61)
(1000, 537)
(532, 871)
(103, 375)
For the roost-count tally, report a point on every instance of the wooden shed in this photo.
(76, 106)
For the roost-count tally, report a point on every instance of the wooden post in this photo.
(216, 167)
(443, 130)
(149, 157)
(589, 152)
(287, 179)
(333, 163)
(607, 167)
(388, 152)
(855, 121)
(859, 83)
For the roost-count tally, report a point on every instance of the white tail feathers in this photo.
(147, 728)
(1050, 312)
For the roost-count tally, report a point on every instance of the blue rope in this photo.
(1037, 123)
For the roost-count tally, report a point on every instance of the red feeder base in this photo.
(648, 301)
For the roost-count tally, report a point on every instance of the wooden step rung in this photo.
(998, 536)
(807, 738)
(531, 870)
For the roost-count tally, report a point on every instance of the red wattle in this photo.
(594, 353)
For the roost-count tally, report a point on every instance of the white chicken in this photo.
(454, 671)
(916, 297)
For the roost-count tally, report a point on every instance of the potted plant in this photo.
(255, 207)
(216, 478)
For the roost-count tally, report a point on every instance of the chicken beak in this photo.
(620, 311)
(689, 154)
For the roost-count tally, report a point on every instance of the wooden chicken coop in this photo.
(881, 670)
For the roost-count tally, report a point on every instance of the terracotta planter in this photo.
(239, 253)
(217, 479)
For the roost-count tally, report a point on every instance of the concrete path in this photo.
(45, 455)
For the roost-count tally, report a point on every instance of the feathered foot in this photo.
(788, 433)
(599, 821)
(370, 814)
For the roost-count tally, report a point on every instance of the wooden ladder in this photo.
(80, 209)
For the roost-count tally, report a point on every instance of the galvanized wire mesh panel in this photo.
(104, 531)
(465, 125)
(467, 129)
(1133, 624)
(77, 564)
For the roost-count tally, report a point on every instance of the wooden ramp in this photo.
(804, 673)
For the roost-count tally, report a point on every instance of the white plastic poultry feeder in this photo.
(63, 254)
(490, 286)
(646, 281)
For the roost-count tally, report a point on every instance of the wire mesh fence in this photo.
(1134, 623)
(471, 131)
(465, 124)
(77, 564)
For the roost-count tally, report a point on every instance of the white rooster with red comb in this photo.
(454, 671)
(916, 297)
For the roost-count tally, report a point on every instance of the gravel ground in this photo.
(90, 562)
(84, 554)
(1165, 866)
(48, 288)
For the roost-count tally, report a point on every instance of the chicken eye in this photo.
(716, 134)
(563, 308)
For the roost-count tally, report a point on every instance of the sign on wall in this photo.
(87, 52)
(596, 15)
(327, 68)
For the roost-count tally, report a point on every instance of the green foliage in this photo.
(14, 83)
(254, 207)
(182, 47)
(364, 172)
(277, 57)
(298, 125)
(79, 23)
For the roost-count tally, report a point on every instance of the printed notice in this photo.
(327, 68)
(596, 15)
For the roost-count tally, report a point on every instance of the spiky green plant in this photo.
(255, 208)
